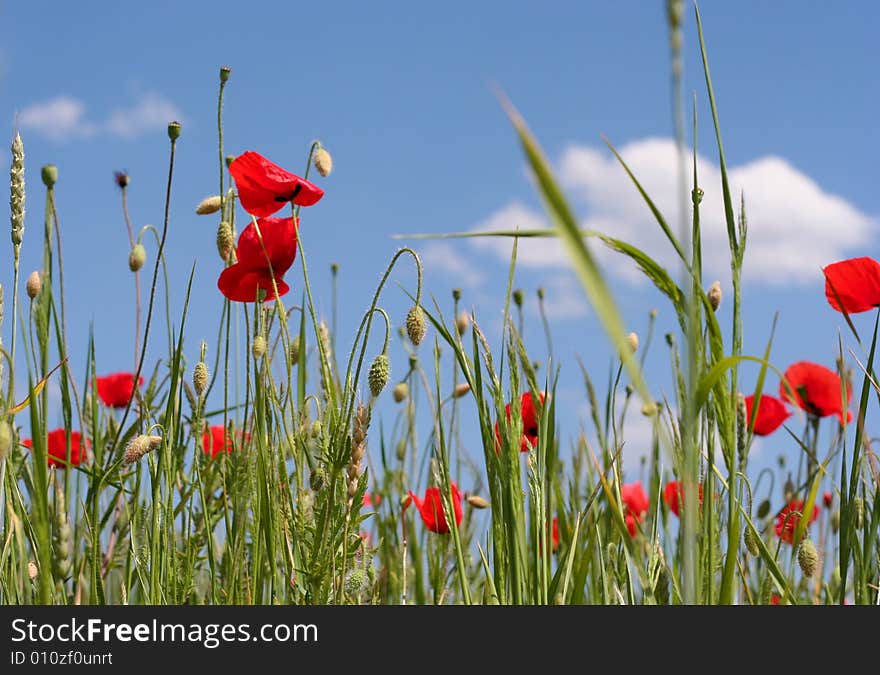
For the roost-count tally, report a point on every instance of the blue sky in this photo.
(401, 95)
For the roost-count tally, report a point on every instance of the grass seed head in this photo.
(380, 370)
(225, 240)
(808, 557)
(200, 377)
(415, 325)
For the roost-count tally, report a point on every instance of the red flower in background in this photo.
(216, 440)
(264, 187)
(853, 285)
(372, 500)
(241, 281)
(816, 389)
(57, 446)
(787, 520)
(555, 534)
(828, 499)
(431, 508)
(635, 503)
(116, 389)
(672, 495)
(771, 414)
(529, 422)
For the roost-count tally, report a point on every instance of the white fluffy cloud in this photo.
(60, 118)
(446, 258)
(65, 118)
(795, 227)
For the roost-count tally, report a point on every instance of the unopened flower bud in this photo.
(225, 240)
(808, 557)
(174, 129)
(456, 294)
(380, 370)
(121, 178)
(258, 346)
(137, 257)
(34, 285)
(415, 325)
(697, 195)
(462, 389)
(140, 446)
(462, 322)
(750, 539)
(714, 294)
(323, 162)
(224, 73)
(518, 297)
(209, 205)
(200, 377)
(32, 570)
(229, 159)
(400, 392)
(541, 293)
(49, 174)
(478, 502)
(649, 409)
(788, 490)
(763, 509)
(632, 340)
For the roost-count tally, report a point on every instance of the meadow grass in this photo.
(304, 498)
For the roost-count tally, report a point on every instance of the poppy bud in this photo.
(121, 178)
(137, 257)
(140, 446)
(415, 325)
(462, 322)
(461, 390)
(764, 508)
(541, 292)
(633, 341)
(225, 240)
(788, 489)
(334, 269)
(478, 502)
(174, 129)
(209, 205)
(400, 450)
(323, 162)
(49, 173)
(258, 346)
(670, 339)
(293, 352)
(32, 570)
(649, 409)
(518, 297)
(200, 377)
(380, 370)
(750, 540)
(229, 159)
(34, 285)
(400, 392)
(808, 557)
(5, 438)
(224, 73)
(714, 294)
(456, 294)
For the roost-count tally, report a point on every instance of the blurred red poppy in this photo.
(257, 268)
(635, 503)
(57, 446)
(215, 441)
(115, 390)
(828, 499)
(817, 390)
(672, 495)
(431, 508)
(555, 534)
(372, 499)
(264, 187)
(529, 421)
(853, 285)
(771, 414)
(787, 520)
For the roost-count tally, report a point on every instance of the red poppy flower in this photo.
(853, 285)
(431, 508)
(529, 421)
(241, 281)
(672, 495)
(57, 445)
(787, 520)
(115, 390)
(372, 500)
(828, 499)
(775, 599)
(817, 390)
(555, 534)
(264, 187)
(771, 414)
(635, 503)
(215, 441)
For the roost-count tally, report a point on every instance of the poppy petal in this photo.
(240, 284)
(264, 187)
(771, 414)
(853, 285)
(279, 240)
(816, 390)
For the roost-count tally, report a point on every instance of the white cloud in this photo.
(150, 112)
(795, 227)
(444, 257)
(65, 118)
(61, 118)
